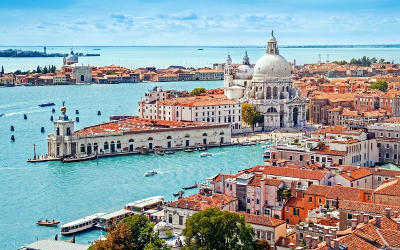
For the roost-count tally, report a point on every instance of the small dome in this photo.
(72, 59)
(162, 228)
(272, 65)
(244, 72)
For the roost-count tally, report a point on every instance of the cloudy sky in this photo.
(200, 22)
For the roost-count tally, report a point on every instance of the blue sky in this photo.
(201, 22)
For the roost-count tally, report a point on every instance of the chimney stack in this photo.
(328, 240)
(396, 214)
(334, 233)
(355, 216)
(336, 244)
(378, 221)
(366, 218)
(314, 242)
(387, 212)
(291, 246)
(308, 241)
(353, 224)
(349, 173)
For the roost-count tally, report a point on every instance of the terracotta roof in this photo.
(327, 151)
(262, 220)
(290, 172)
(338, 192)
(390, 188)
(371, 208)
(201, 100)
(136, 124)
(295, 202)
(356, 174)
(198, 202)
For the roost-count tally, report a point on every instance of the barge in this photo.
(80, 225)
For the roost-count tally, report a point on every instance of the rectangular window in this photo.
(180, 220)
(309, 199)
(170, 218)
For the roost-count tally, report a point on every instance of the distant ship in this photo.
(200, 49)
(46, 104)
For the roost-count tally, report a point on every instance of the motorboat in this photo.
(159, 152)
(169, 152)
(47, 104)
(48, 223)
(80, 224)
(201, 149)
(205, 154)
(78, 158)
(150, 173)
(189, 150)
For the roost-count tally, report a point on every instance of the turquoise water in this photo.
(162, 57)
(67, 192)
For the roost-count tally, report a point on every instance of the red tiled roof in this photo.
(338, 192)
(262, 220)
(390, 188)
(356, 174)
(135, 124)
(371, 208)
(198, 202)
(290, 172)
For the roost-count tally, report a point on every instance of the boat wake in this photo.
(26, 111)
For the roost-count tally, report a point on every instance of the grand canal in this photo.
(29, 192)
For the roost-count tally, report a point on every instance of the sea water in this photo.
(31, 191)
(163, 57)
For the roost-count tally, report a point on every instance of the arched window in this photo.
(150, 139)
(222, 133)
(268, 92)
(112, 146)
(118, 144)
(271, 110)
(95, 147)
(82, 78)
(287, 88)
(106, 146)
(169, 137)
(131, 140)
(187, 136)
(82, 148)
(205, 134)
(275, 92)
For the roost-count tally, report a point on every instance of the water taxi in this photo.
(48, 223)
(150, 173)
(206, 154)
(80, 224)
(189, 150)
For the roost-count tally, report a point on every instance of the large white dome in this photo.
(272, 65)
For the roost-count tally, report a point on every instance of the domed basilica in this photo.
(268, 87)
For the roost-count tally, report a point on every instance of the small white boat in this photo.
(80, 224)
(150, 173)
(205, 154)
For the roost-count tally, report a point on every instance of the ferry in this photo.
(108, 221)
(150, 173)
(47, 104)
(145, 204)
(80, 224)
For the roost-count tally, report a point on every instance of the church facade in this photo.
(269, 88)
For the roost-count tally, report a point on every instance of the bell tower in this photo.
(272, 46)
(228, 73)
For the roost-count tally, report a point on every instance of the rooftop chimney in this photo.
(308, 241)
(396, 214)
(387, 212)
(349, 173)
(334, 233)
(314, 242)
(328, 240)
(366, 218)
(353, 224)
(355, 216)
(361, 217)
(378, 221)
(336, 244)
(291, 246)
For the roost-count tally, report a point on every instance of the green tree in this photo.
(198, 91)
(380, 85)
(38, 70)
(258, 118)
(216, 229)
(135, 232)
(248, 113)
(2, 70)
